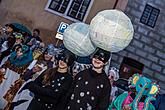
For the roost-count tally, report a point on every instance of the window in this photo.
(59, 5)
(75, 10)
(149, 16)
(130, 67)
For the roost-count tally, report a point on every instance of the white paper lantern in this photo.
(111, 30)
(77, 40)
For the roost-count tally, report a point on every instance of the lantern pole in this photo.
(106, 68)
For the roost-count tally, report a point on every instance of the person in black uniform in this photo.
(91, 87)
(52, 85)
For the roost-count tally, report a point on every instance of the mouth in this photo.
(96, 62)
(47, 58)
(61, 63)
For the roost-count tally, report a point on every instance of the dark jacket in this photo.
(50, 95)
(91, 91)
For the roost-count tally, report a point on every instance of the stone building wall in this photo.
(148, 45)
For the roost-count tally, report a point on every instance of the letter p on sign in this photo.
(62, 27)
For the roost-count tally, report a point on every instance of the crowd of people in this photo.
(34, 76)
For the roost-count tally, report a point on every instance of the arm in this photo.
(36, 82)
(73, 85)
(50, 92)
(27, 75)
(59, 96)
(103, 102)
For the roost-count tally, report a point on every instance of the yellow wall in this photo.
(32, 14)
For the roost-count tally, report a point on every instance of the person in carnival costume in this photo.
(35, 69)
(52, 85)
(142, 92)
(91, 87)
(12, 69)
(9, 44)
(113, 75)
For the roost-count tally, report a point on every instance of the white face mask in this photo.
(114, 72)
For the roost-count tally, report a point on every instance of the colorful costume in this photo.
(140, 98)
(13, 68)
(23, 98)
(78, 67)
(113, 75)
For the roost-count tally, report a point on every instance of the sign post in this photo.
(60, 31)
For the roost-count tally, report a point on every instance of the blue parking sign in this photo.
(62, 27)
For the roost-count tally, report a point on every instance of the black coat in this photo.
(91, 91)
(49, 96)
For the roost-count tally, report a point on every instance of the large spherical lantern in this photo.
(111, 30)
(77, 40)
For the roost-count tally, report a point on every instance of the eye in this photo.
(146, 88)
(140, 85)
(102, 59)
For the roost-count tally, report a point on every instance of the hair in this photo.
(13, 27)
(41, 57)
(69, 57)
(16, 46)
(11, 41)
(10, 25)
(16, 49)
(49, 75)
(37, 30)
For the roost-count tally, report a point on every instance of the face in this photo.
(47, 57)
(97, 63)
(35, 33)
(19, 52)
(76, 69)
(16, 48)
(36, 68)
(143, 83)
(9, 29)
(111, 75)
(18, 41)
(62, 64)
